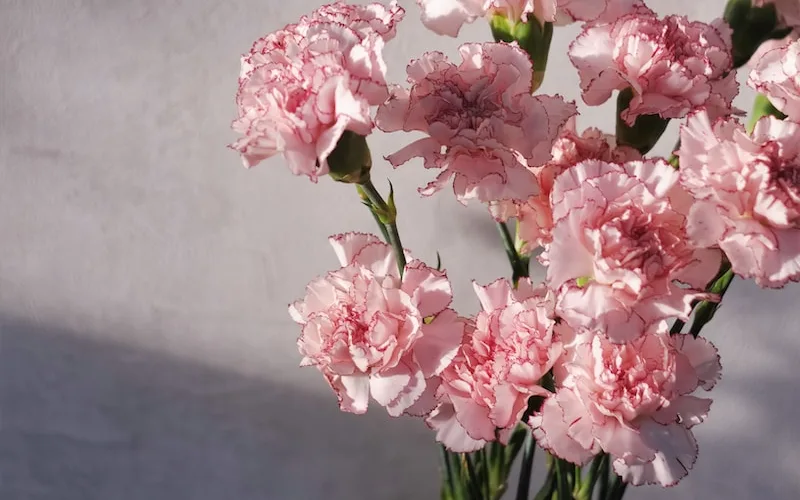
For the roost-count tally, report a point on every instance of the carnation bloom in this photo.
(633, 401)
(619, 245)
(788, 11)
(748, 192)
(776, 74)
(534, 216)
(372, 333)
(672, 65)
(446, 17)
(301, 87)
(502, 360)
(483, 126)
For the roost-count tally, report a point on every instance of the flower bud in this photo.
(350, 161)
(532, 37)
(645, 131)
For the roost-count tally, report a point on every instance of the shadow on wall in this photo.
(83, 420)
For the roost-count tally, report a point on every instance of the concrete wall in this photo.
(144, 275)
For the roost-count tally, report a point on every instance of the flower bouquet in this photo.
(602, 365)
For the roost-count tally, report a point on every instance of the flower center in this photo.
(352, 325)
(788, 178)
(631, 384)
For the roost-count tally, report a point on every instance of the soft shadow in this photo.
(86, 420)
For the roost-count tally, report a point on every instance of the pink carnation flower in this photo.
(371, 333)
(534, 216)
(776, 74)
(499, 367)
(301, 87)
(672, 65)
(619, 245)
(748, 192)
(446, 17)
(788, 11)
(633, 401)
(483, 126)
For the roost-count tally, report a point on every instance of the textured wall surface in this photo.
(144, 275)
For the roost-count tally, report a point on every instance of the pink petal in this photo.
(429, 289)
(703, 357)
(397, 388)
(449, 431)
(348, 245)
(424, 148)
(676, 452)
(474, 418)
(551, 432)
(687, 411)
(495, 295)
(440, 342)
(353, 393)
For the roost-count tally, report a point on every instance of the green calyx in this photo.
(751, 27)
(532, 37)
(350, 161)
(645, 131)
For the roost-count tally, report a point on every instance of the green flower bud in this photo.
(350, 161)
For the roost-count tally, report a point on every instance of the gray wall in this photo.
(144, 275)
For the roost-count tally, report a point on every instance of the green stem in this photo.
(605, 471)
(447, 487)
(524, 484)
(382, 210)
(617, 489)
(564, 490)
(547, 490)
(380, 224)
(519, 265)
(588, 487)
(474, 487)
(706, 310)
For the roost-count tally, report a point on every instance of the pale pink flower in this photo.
(301, 87)
(483, 126)
(672, 65)
(534, 216)
(776, 74)
(511, 346)
(748, 192)
(788, 11)
(372, 333)
(633, 401)
(619, 248)
(446, 17)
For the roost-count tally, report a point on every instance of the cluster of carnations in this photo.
(631, 243)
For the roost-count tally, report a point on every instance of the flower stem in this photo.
(564, 490)
(365, 200)
(386, 214)
(524, 484)
(519, 265)
(474, 487)
(617, 489)
(605, 470)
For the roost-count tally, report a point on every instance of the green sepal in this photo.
(350, 161)
(532, 37)
(645, 131)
